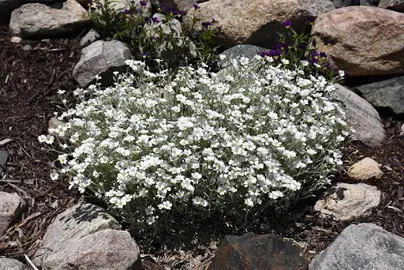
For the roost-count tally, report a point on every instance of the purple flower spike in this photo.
(196, 6)
(143, 3)
(287, 23)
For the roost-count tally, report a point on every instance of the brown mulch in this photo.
(29, 80)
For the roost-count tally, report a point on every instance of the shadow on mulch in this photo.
(29, 81)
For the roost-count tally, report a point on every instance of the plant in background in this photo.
(170, 151)
(300, 49)
(160, 36)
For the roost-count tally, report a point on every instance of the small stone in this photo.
(362, 246)
(365, 169)
(251, 251)
(242, 50)
(11, 208)
(16, 39)
(27, 48)
(347, 201)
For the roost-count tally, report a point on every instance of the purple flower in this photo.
(126, 11)
(205, 25)
(196, 6)
(327, 65)
(311, 19)
(263, 54)
(323, 55)
(314, 43)
(144, 55)
(287, 23)
(327, 42)
(143, 3)
(302, 46)
(154, 19)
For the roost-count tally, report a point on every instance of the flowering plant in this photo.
(300, 49)
(197, 145)
(158, 36)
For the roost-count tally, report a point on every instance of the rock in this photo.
(27, 48)
(346, 3)
(365, 169)
(6, 7)
(366, 40)
(245, 50)
(347, 201)
(397, 5)
(11, 208)
(86, 237)
(387, 93)
(106, 249)
(362, 246)
(39, 20)
(361, 116)
(251, 251)
(12, 264)
(16, 39)
(89, 38)
(121, 5)
(183, 5)
(257, 22)
(3, 161)
(101, 58)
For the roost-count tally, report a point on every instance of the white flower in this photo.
(61, 92)
(62, 159)
(341, 73)
(165, 205)
(42, 138)
(54, 175)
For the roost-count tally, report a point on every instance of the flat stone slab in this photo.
(362, 246)
(347, 201)
(260, 252)
(387, 94)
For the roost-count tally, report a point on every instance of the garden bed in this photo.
(29, 80)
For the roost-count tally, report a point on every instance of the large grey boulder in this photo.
(11, 208)
(397, 5)
(387, 93)
(363, 246)
(84, 236)
(365, 40)
(101, 58)
(347, 201)
(258, 22)
(12, 264)
(360, 114)
(38, 20)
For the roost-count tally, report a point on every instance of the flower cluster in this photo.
(199, 143)
(296, 48)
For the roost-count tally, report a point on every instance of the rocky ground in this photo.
(31, 74)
